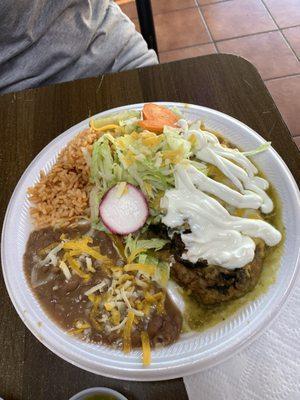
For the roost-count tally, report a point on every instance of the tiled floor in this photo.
(266, 32)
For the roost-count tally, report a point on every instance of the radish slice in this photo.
(123, 211)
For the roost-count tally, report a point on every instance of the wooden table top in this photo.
(31, 119)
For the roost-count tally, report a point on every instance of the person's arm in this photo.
(43, 42)
(135, 52)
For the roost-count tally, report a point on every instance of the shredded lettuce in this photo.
(133, 244)
(130, 245)
(100, 227)
(143, 159)
(94, 203)
(116, 118)
(155, 243)
(162, 272)
(143, 258)
(176, 141)
(259, 149)
(102, 162)
(128, 121)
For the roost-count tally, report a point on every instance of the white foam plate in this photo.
(193, 351)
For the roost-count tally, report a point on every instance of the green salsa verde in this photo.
(199, 317)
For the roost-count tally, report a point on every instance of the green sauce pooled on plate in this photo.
(198, 317)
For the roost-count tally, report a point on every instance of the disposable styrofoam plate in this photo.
(193, 351)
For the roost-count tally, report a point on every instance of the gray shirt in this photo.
(48, 41)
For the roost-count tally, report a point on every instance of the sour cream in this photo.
(217, 236)
(241, 172)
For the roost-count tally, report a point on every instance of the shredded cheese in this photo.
(76, 268)
(146, 308)
(146, 348)
(117, 274)
(104, 128)
(81, 246)
(116, 269)
(94, 312)
(134, 254)
(82, 325)
(92, 298)
(51, 256)
(128, 296)
(103, 319)
(174, 156)
(134, 135)
(95, 288)
(140, 283)
(120, 143)
(139, 305)
(129, 158)
(124, 278)
(120, 326)
(147, 268)
(109, 306)
(125, 298)
(138, 313)
(151, 141)
(127, 332)
(63, 266)
(115, 316)
(158, 298)
(126, 285)
(46, 249)
(89, 265)
(74, 331)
